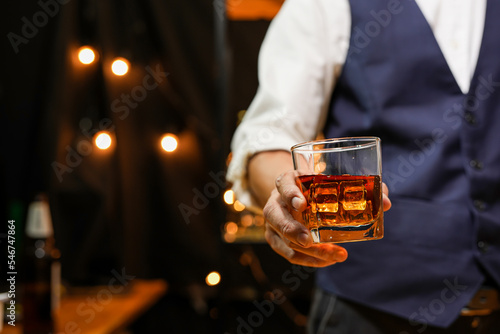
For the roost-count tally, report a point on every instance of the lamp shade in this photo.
(38, 220)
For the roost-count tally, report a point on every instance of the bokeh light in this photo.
(103, 140)
(238, 206)
(229, 197)
(213, 278)
(120, 66)
(169, 142)
(231, 227)
(247, 220)
(86, 55)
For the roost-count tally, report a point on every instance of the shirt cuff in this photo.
(237, 169)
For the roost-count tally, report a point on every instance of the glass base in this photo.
(349, 233)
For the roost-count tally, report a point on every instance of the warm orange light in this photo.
(229, 197)
(213, 278)
(102, 140)
(238, 206)
(229, 237)
(86, 55)
(120, 66)
(320, 167)
(247, 220)
(169, 142)
(259, 220)
(245, 259)
(231, 227)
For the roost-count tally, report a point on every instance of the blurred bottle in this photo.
(41, 270)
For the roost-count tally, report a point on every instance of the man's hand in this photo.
(288, 236)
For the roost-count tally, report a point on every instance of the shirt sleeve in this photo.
(300, 58)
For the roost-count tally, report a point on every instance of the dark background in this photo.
(120, 209)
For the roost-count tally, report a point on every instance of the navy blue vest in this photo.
(441, 161)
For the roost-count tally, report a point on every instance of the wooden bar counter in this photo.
(103, 310)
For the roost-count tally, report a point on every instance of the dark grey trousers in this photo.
(330, 314)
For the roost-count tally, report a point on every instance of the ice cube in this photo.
(358, 216)
(325, 197)
(353, 195)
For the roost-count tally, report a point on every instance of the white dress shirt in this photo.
(301, 58)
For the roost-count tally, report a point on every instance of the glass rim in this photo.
(365, 142)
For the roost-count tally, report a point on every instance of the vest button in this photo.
(470, 118)
(476, 164)
(479, 205)
(483, 246)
